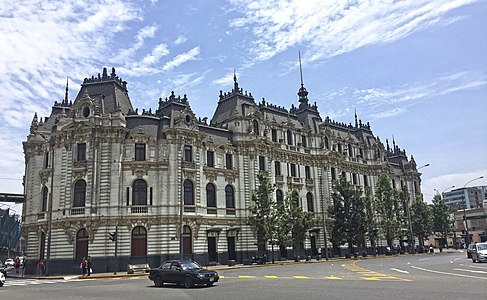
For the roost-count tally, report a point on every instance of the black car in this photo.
(186, 272)
(469, 250)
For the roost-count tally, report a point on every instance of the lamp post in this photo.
(467, 235)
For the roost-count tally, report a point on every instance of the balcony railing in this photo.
(138, 209)
(77, 211)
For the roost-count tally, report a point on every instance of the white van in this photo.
(479, 252)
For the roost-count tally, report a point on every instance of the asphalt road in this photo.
(438, 276)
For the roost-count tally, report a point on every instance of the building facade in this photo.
(96, 166)
(466, 198)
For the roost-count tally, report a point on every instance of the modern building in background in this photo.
(466, 198)
(10, 233)
(98, 168)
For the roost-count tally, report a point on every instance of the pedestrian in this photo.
(83, 265)
(88, 265)
(40, 267)
(17, 264)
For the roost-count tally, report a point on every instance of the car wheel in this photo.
(473, 260)
(158, 281)
(210, 284)
(188, 282)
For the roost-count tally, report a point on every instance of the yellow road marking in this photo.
(245, 276)
(301, 277)
(334, 278)
(271, 276)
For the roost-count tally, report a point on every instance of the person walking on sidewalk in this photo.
(83, 266)
(40, 267)
(88, 265)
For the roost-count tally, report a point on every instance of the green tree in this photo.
(388, 208)
(300, 222)
(348, 213)
(262, 210)
(421, 219)
(442, 225)
(371, 225)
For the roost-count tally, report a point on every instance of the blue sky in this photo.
(416, 70)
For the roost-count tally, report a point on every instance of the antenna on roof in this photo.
(300, 68)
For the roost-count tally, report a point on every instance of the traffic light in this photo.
(113, 236)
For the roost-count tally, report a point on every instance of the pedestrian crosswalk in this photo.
(23, 282)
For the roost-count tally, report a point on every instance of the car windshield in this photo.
(482, 247)
(190, 265)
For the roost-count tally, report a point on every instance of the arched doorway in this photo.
(81, 243)
(187, 242)
(138, 242)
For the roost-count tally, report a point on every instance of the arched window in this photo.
(279, 196)
(188, 192)
(187, 241)
(79, 193)
(139, 242)
(327, 143)
(210, 195)
(82, 238)
(289, 137)
(45, 193)
(256, 127)
(230, 196)
(309, 200)
(139, 192)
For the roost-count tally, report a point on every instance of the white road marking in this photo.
(446, 273)
(423, 259)
(472, 266)
(401, 271)
(471, 271)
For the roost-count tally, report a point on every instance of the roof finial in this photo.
(235, 83)
(300, 68)
(303, 94)
(66, 94)
(356, 123)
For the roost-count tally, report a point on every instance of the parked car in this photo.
(9, 262)
(469, 250)
(479, 252)
(2, 269)
(2, 279)
(187, 273)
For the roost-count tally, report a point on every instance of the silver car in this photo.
(479, 252)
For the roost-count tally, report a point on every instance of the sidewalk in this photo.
(122, 274)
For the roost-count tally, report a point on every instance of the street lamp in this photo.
(467, 235)
(52, 142)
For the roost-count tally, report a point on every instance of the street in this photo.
(438, 276)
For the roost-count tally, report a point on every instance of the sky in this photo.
(415, 69)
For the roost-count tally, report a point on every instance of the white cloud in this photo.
(180, 40)
(330, 28)
(182, 58)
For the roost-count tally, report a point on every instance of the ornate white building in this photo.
(97, 166)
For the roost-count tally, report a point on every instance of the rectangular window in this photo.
(150, 195)
(304, 142)
(128, 196)
(366, 180)
(354, 178)
(188, 153)
(293, 170)
(261, 163)
(81, 152)
(210, 158)
(139, 151)
(307, 172)
(333, 174)
(277, 167)
(344, 175)
(229, 161)
(274, 134)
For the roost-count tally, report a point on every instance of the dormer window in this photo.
(86, 111)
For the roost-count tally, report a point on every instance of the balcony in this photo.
(211, 210)
(189, 208)
(309, 182)
(41, 216)
(279, 179)
(77, 211)
(230, 211)
(138, 209)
